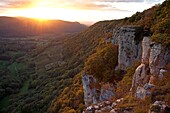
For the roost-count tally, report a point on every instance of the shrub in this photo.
(72, 111)
(163, 39)
(102, 64)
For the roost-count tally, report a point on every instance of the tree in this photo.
(102, 63)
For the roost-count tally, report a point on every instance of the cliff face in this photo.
(153, 62)
(133, 45)
(129, 41)
(95, 92)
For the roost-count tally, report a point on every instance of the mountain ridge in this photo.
(21, 26)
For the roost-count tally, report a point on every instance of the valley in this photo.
(113, 66)
(29, 67)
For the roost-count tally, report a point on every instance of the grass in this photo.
(15, 67)
(4, 103)
(25, 86)
(2, 64)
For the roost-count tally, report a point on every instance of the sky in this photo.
(84, 11)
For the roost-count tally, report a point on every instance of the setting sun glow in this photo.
(40, 10)
(75, 10)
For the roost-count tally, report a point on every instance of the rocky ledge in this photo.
(105, 107)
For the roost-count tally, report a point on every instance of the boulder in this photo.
(159, 107)
(93, 93)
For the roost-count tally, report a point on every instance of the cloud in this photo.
(122, 0)
(15, 3)
(109, 5)
(79, 4)
(153, 1)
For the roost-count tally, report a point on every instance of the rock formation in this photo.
(95, 92)
(141, 75)
(132, 45)
(89, 86)
(129, 41)
(153, 62)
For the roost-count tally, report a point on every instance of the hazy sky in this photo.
(75, 10)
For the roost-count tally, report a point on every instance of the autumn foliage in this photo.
(102, 64)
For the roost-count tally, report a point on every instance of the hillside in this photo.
(154, 22)
(10, 26)
(54, 84)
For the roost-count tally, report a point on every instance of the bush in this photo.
(102, 64)
(72, 111)
(163, 39)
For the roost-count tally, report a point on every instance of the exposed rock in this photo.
(107, 92)
(145, 50)
(112, 111)
(103, 107)
(93, 93)
(114, 104)
(130, 49)
(154, 59)
(90, 94)
(161, 73)
(129, 40)
(116, 33)
(119, 100)
(108, 40)
(142, 92)
(159, 107)
(159, 57)
(122, 110)
(141, 76)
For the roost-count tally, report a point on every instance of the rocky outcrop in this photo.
(145, 50)
(132, 45)
(159, 57)
(143, 91)
(107, 91)
(105, 107)
(159, 107)
(153, 62)
(141, 75)
(129, 41)
(89, 86)
(95, 92)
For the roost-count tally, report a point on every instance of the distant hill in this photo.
(11, 26)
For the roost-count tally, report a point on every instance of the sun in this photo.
(39, 12)
(48, 10)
